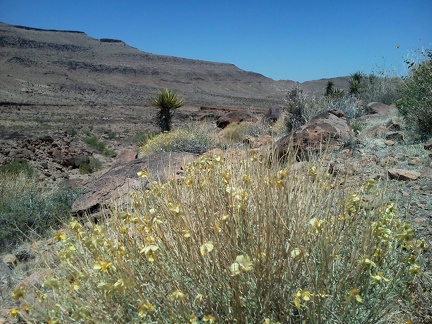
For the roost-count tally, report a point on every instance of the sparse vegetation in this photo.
(239, 241)
(416, 101)
(98, 145)
(193, 140)
(167, 101)
(27, 208)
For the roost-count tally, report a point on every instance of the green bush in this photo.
(416, 95)
(239, 241)
(167, 101)
(193, 140)
(98, 145)
(26, 207)
(17, 167)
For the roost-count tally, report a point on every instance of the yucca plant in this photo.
(167, 101)
(356, 83)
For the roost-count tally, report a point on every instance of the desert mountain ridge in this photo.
(61, 67)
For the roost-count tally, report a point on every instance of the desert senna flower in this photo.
(316, 224)
(379, 278)
(206, 248)
(150, 252)
(102, 266)
(297, 253)
(242, 264)
(366, 262)
(143, 173)
(354, 295)
(301, 295)
(177, 295)
(209, 318)
(185, 233)
(145, 308)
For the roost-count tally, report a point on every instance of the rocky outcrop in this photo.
(404, 175)
(235, 117)
(112, 187)
(53, 155)
(329, 130)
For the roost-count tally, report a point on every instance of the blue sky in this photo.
(295, 40)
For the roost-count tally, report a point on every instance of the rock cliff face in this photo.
(69, 67)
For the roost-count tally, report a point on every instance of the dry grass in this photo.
(241, 241)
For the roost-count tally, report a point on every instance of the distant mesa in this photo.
(49, 30)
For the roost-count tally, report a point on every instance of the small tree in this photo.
(167, 101)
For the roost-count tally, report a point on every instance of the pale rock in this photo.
(404, 175)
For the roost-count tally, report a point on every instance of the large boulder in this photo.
(328, 130)
(235, 117)
(112, 187)
(272, 115)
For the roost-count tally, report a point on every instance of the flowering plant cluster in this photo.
(241, 240)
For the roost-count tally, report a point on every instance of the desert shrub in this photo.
(235, 133)
(71, 131)
(167, 101)
(238, 241)
(296, 108)
(88, 164)
(190, 139)
(16, 168)
(301, 107)
(416, 95)
(26, 207)
(381, 88)
(98, 145)
(350, 105)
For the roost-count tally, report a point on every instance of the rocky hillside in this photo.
(68, 67)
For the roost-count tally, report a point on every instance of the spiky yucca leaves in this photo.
(167, 101)
(238, 241)
(356, 85)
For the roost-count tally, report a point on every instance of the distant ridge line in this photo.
(49, 30)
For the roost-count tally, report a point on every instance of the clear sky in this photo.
(281, 39)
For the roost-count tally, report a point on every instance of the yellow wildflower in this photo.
(242, 264)
(18, 293)
(177, 295)
(316, 224)
(366, 262)
(206, 248)
(185, 233)
(175, 209)
(209, 318)
(150, 252)
(145, 308)
(379, 278)
(297, 253)
(143, 173)
(60, 236)
(193, 319)
(14, 312)
(102, 266)
(301, 294)
(354, 294)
